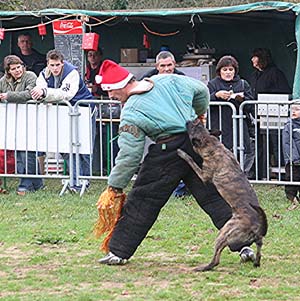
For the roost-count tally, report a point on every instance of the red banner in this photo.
(62, 27)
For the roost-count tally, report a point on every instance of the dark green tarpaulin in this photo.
(258, 6)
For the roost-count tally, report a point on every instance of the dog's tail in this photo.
(263, 221)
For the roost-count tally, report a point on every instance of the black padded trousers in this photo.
(159, 175)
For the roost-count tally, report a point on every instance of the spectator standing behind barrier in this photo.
(59, 81)
(228, 86)
(158, 108)
(33, 60)
(166, 64)
(291, 153)
(267, 79)
(94, 61)
(15, 87)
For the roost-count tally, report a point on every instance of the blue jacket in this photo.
(82, 92)
(295, 127)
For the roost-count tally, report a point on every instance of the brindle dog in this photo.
(248, 223)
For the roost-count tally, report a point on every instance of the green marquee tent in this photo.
(234, 30)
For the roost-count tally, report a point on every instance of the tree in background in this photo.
(117, 4)
(10, 4)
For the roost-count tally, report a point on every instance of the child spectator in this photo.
(291, 153)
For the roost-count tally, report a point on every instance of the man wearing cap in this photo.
(158, 108)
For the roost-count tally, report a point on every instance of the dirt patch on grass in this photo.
(14, 253)
(20, 262)
(150, 282)
(57, 291)
(41, 270)
(85, 253)
(50, 248)
(112, 285)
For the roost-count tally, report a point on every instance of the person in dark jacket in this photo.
(94, 61)
(165, 64)
(291, 153)
(33, 60)
(267, 79)
(228, 86)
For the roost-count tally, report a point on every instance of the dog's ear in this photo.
(215, 132)
(196, 142)
(200, 142)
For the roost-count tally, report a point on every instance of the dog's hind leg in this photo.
(259, 243)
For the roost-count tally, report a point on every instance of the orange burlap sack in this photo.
(109, 207)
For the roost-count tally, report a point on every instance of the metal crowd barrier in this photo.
(21, 131)
(57, 133)
(63, 136)
(268, 121)
(219, 106)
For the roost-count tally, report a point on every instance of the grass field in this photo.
(47, 252)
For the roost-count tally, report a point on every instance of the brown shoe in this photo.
(295, 204)
(21, 193)
(3, 191)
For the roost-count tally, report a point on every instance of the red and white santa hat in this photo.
(112, 76)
